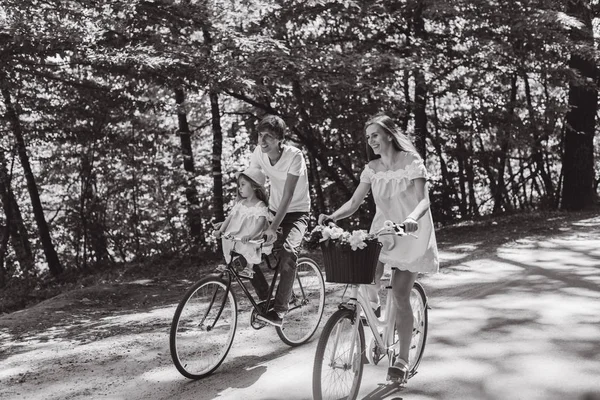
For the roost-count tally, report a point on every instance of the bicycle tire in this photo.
(420, 326)
(203, 327)
(307, 303)
(339, 327)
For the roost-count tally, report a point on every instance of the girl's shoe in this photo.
(399, 371)
(247, 272)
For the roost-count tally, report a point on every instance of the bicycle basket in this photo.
(344, 265)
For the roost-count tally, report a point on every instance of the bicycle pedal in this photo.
(395, 382)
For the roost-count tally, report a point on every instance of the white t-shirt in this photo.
(291, 162)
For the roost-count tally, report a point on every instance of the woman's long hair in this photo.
(259, 190)
(400, 141)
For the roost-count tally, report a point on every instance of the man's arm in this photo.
(286, 199)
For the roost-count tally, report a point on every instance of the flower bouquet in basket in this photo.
(349, 257)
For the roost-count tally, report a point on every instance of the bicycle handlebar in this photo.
(389, 228)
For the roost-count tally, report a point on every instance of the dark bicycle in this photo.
(205, 321)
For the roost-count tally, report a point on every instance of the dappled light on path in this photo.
(513, 319)
(523, 322)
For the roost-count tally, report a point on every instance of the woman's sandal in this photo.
(399, 371)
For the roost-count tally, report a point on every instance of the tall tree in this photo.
(191, 191)
(54, 264)
(15, 226)
(578, 156)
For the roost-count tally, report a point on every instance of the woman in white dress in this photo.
(397, 177)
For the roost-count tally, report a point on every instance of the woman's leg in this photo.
(402, 283)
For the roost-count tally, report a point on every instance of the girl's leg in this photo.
(402, 283)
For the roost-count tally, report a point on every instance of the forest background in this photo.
(122, 123)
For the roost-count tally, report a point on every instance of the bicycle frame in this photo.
(359, 299)
(231, 271)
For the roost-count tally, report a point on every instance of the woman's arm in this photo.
(351, 205)
(410, 223)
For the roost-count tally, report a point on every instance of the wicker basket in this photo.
(344, 265)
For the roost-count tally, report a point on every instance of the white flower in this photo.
(357, 240)
(331, 233)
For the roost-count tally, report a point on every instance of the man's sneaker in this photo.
(246, 273)
(272, 318)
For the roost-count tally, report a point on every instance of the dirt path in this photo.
(516, 315)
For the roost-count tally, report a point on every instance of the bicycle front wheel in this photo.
(338, 367)
(418, 302)
(306, 304)
(203, 327)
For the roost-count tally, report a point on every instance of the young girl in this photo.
(247, 220)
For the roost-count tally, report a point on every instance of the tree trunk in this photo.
(537, 152)
(448, 189)
(93, 213)
(15, 226)
(420, 102)
(217, 153)
(462, 159)
(54, 264)
(420, 114)
(407, 102)
(500, 192)
(4, 235)
(191, 192)
(578, 157)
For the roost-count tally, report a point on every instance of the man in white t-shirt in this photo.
(289, 205)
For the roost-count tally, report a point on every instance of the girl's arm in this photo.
(351, 205)
(217, 233)
(410, 223)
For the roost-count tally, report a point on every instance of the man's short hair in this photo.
(274, 125)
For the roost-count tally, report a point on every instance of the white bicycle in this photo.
(341, 351)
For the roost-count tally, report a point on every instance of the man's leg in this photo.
(294, 227)
(259, 282)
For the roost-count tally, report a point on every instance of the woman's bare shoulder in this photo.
(374, 164)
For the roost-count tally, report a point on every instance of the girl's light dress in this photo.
(244, 220)
(395, 198)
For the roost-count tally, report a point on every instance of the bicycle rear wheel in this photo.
(203, 327)
(418, 302)
(338, 367)
(306, 304)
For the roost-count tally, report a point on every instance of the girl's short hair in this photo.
(274, 125)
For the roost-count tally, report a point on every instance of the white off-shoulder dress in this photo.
(395, 198)
(243, 222)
